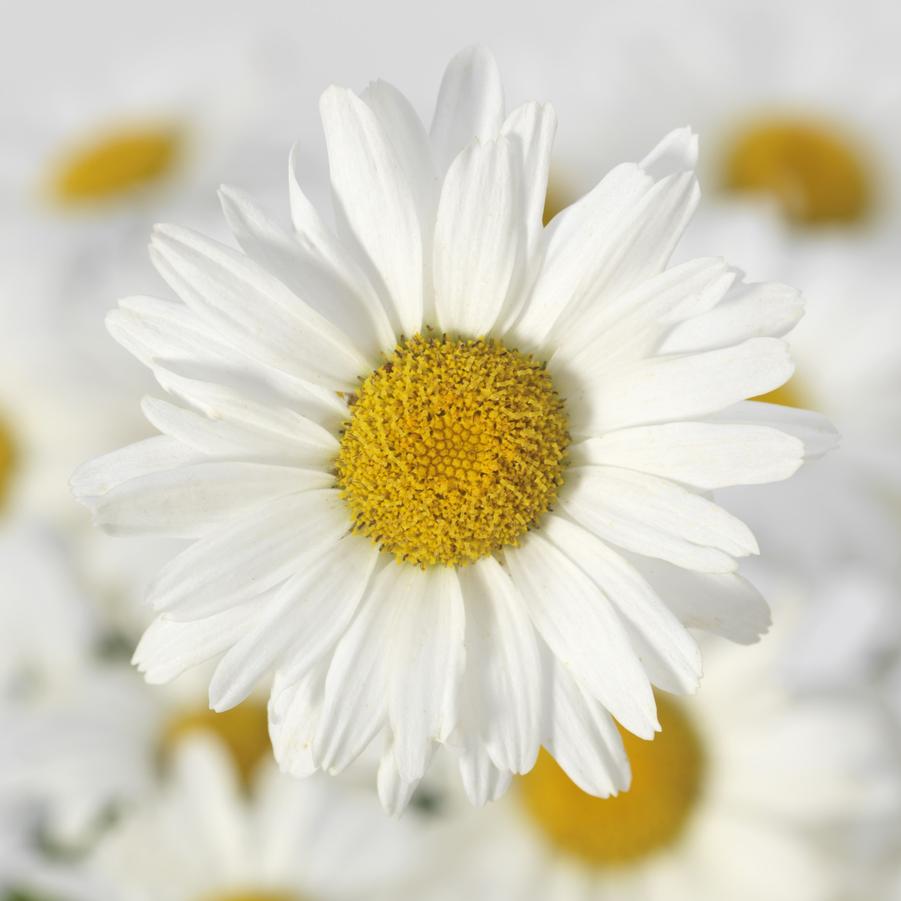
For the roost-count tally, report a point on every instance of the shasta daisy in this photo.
(447, 472)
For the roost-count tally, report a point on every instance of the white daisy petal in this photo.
(293, 714)
(170, 338)
(479, 237)
(581, 231)
(661, 389)
(535, 125)
(642, 250)
(576, 620)
(394, 791)
(470, 105)
(155, 330)
(341, 577)
(817, 433)
(168, 649)
(657, 518)
(677, 152)
(252, 310)
(309, 415)
(189, 501)
(482, 780)
(630, 326)
(307, 264)
(251, 554)
(307, 444)
(604, 244)
(356, 687)
(664, 644)
(723, 603)
(158, 454)
(701, 454)
(427, 665)
(410, 141)
(503, 676)
(375, 206)
(306, 616)
(583, 739)
(765, 310)
(282, 424)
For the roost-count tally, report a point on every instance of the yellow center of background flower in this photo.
(115, 164)
(813, 171)
(244, 730)
(454, 449)
(666, 783)
(7, 461)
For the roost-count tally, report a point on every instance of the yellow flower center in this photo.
(115, 164)
(814, 172)
(7, 461)
(244, 730)
(454, 449)
(666, 784)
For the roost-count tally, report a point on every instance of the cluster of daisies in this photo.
(437, 516)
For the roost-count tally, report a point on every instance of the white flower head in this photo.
(795, 100)
(749, 792)
(447, 472)
(201, 836)
(70, 724)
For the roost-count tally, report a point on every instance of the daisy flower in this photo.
(43, 435)
(203, 837)
(795, 100)
(445, 470)
(27, 874)
(94, 154)
(747, 793)
(69, 723)
(94, 147)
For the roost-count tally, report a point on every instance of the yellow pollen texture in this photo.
(666, 784)
(454, 449)
(244, 730)
(811, 169)
(7, 462)
(115, 164)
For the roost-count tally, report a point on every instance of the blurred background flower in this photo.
(117, 116)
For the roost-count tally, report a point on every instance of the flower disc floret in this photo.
(454, 449)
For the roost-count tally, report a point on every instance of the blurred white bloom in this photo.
(70, 726)
(92, 158)
(796, 101)
(49, 425)
(112, 139)
(748, 793)
(205, 838)
(423, 387)
(26, 873)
